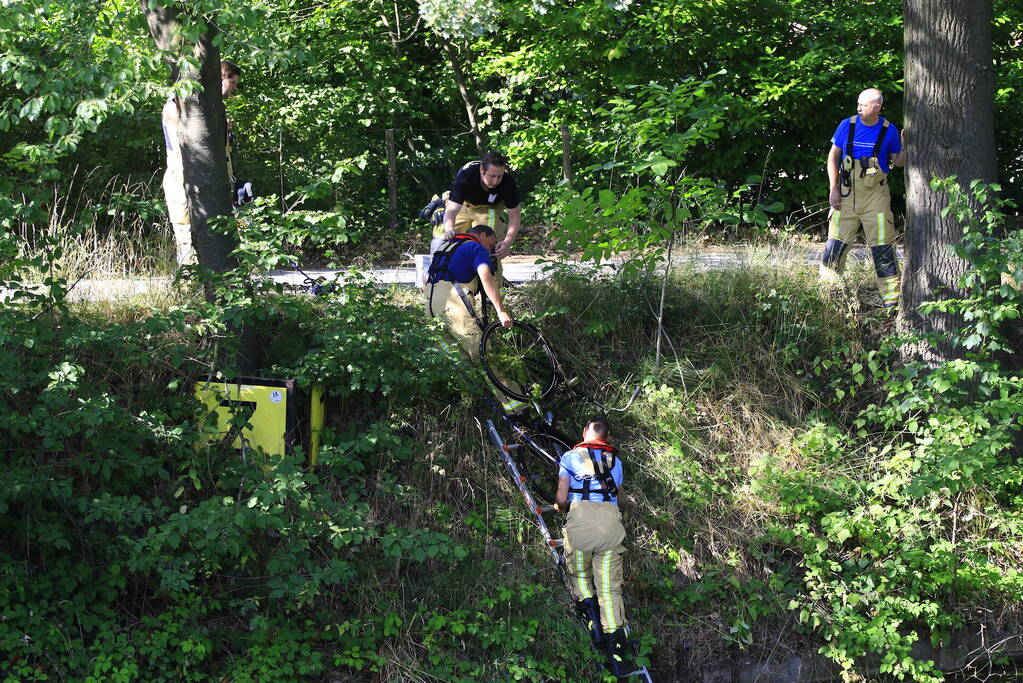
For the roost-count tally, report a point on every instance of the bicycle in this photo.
(317, 286)
(518, 357)
(540, 447)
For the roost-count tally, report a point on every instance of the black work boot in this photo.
(618, 657)
(589, 611)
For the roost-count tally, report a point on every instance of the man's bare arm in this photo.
(490, 287)
(451, 210)
(514, 219)
(561, 498)
(834, 159)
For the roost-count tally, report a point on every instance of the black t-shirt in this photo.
(469, 188)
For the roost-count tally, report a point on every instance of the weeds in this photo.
(777, 501)
(117, 231)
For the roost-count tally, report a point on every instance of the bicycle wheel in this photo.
(518, 360)
(538, 462)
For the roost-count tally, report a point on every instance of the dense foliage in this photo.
(793, 487)
(787, 480)
(130, 552)
(322, 83)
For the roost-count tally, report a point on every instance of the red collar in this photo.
(596, 443)
(465, 236)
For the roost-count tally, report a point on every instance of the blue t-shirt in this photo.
(864, 139)
(578, 467)
(466, 259)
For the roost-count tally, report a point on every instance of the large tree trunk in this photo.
(949, 131)
(202, 132)
(202, 135)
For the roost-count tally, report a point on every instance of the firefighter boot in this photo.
(618, 653)
(589, 611)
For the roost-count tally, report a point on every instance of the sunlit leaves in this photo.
(460, 18)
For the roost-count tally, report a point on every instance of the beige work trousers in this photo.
(871, 207)
(478, 214)
(442, 299)
(594, 558)
(177, 211)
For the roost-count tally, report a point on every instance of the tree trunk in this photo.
(202, 135)
(949, 125)
(463, 89)
(392, 182)
(566, 153)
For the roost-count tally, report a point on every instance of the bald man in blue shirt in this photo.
(864, 149)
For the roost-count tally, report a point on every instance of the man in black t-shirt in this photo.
(481, 193)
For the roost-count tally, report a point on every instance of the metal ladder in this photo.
(554, 545)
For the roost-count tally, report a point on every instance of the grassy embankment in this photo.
(759, 528)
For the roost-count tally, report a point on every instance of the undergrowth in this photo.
(792, 487)
(119, 230)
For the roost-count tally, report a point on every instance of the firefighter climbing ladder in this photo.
(555, 545)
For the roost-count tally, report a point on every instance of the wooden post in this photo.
(566, 154)
(392, 181)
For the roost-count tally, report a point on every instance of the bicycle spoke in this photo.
(539, 460)
(518, 360)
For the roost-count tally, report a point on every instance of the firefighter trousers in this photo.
(594, 558)
(177, 211)
(871, 207)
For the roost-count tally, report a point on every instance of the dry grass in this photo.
(117, 231)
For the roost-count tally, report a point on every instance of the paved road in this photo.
(518, 269)
(526, 269)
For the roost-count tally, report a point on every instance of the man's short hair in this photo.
(481, 231)
(228, 69)
(599, 424)
(494, 159)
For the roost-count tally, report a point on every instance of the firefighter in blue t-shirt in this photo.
(459, 269)
(589, 481)
(863, 150)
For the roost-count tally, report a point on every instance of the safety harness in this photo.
(866, 163)
(602, 481)
(440, 269)
(440, 265)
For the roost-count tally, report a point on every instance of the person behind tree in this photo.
(863, 150)
(589, 485)
(481, 193)
(173, 177)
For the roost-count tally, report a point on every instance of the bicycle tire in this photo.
(538, 463)
(520, 353)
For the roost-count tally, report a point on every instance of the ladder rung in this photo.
(544, 509)
(556, 542)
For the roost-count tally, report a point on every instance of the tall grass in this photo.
(115, 230)
(732, 390)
